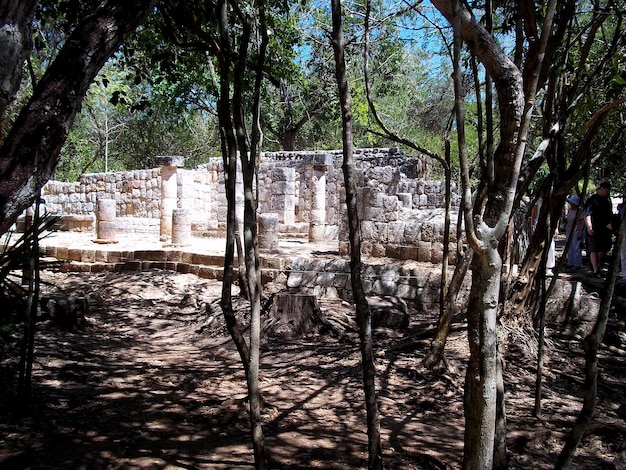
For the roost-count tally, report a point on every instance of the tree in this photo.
(31, 149)
(16, 20)
(580, 119)
(363, 312)
(486, 222)
(236, 38)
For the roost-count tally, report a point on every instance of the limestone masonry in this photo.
(301, 195)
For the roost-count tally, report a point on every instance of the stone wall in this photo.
(399, 207)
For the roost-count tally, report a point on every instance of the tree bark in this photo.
(16, 18)
(363, 313)
(591, 345)
(249, 157)
(435, 356)
(233, 69)
(31, 149)
(486, 227)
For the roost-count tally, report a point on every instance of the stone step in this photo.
(113, 256)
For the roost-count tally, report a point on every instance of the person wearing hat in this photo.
(598, 214)
(574, 229)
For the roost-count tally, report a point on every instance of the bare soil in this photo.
(154, 382)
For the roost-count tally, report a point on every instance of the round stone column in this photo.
(317, 225)
(181, 227)
(106, 227)
(267, 237)
(169, 193)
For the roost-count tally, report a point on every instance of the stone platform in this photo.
(314, 268)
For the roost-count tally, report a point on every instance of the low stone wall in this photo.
(330, 278)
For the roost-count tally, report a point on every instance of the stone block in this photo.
(406, 291)
(88, 256)
(271, 262)
(49, 251)
(412, 232)
(424, 250)
(187, 257)
(378, 250)
(428, 232)
(130, 266)
(405, 199)
(395, 232)
(174, 255)
(337, 266)
(112, 256)
(342, 281)
(101, 267)
(80, 267)
(325, 279)
(374, 213)
(193, 269)
(437, 253)
(145, 265)
(368, 230)
(151, 255)
(74, 254)
(366, 248)
(294, 280)
(182, 268)
(268, 275)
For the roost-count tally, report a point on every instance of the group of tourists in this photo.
(593, 228)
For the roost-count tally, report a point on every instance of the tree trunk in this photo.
(363, 313)
(435, 356)
(28, 341)
(229, 153)
(591, 345)
(249, 156)
(231, 115)
(16, 18)
(31, 149)
(481, 383)
(487, 224)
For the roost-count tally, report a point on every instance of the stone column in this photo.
(106, 227)
(268, 232)
(317, 225)
(169, 192)
(181, 227)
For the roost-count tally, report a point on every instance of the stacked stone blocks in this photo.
(400, 211)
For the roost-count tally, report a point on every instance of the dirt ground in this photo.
(154, 382)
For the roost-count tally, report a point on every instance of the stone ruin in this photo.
(301, 195)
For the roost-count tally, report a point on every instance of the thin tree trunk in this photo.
(229, 153)
(542, 317)
(500, 460)
(481, 378)
(443, 294)
(363, 313)
(28, 342)
(435, 357)
(591, 344)
(249, 162)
